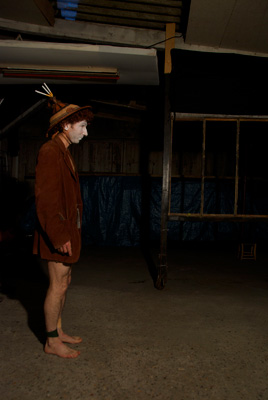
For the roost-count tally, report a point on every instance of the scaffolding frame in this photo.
(166, 214)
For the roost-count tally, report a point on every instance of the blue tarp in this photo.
(123, 211)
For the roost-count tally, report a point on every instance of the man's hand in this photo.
(66, 248)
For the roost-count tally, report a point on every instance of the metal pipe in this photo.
(21, 117)
(203, 167)
(236, 166)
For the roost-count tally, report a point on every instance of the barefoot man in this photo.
(57, 236)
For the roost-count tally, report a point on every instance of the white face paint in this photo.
(76, 131)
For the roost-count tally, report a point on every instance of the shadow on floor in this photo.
(23, 278)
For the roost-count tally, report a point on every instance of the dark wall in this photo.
(218, 83)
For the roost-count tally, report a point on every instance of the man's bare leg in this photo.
(59, 277)
(62, 335)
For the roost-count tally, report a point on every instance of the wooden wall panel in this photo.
(100, 156)
(117, 157)
(91, 156)
(122, 157)
(131, 162)
(28, 152)
(155, 167)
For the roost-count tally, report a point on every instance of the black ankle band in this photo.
(53, 333)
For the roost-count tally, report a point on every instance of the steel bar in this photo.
(166, 189)
(236, 166)
(166, 215)
(217, 117)
(4, 131)
(203, 168)
(217, 217)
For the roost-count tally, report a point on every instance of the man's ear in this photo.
(66, 126)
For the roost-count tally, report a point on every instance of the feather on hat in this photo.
(60, 111)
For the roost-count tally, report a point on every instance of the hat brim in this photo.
(63, 114)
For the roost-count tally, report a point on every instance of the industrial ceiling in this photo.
(150, 14)
(120, 39)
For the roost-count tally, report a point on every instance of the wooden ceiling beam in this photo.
(164, 3)
(138, 23)
(135, 15)
(105, 7)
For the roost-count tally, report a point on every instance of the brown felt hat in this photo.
(61, 111)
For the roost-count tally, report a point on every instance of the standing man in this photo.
(57, 236)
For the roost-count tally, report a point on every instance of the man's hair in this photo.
(83, 115)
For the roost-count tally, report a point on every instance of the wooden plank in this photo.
(170, 44)
(106, 115)
(131, 157)
(100, 154)
(155, 21)
(172, 3)
(133, 105)
(117, 156)
(84, 32)
(155, 166)
(129, 14)
(142, 7)
(100, 19)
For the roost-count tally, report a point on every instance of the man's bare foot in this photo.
(55, 346)
(69, 339)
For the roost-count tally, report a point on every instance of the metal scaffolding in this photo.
(166, 214)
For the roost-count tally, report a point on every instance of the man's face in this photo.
(77, 131)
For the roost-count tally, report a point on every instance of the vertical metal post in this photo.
(166, 189)
(237, 166)
(203, 167)
(167, 159)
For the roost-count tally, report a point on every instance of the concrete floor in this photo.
(204, 336)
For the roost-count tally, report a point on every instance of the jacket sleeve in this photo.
(48, 197)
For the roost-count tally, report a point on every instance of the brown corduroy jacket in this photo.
(58, 203)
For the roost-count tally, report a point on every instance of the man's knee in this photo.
(63, 287)
(60, 277)
(58, 288)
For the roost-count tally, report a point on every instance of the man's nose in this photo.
(85, 133)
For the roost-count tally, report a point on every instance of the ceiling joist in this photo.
(147, 14)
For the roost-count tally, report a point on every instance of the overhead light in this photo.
(58, 72)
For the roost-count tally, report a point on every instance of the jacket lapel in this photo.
(67, 157)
